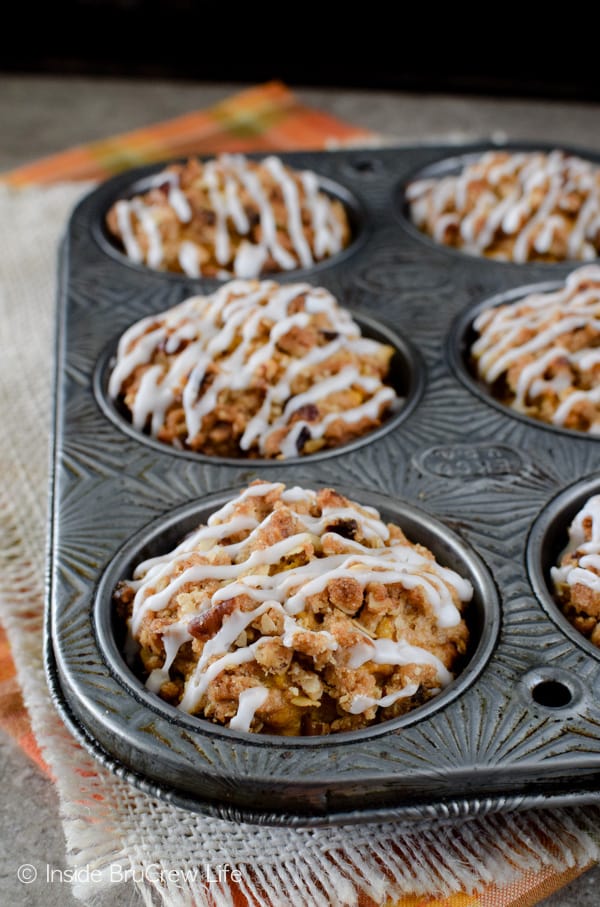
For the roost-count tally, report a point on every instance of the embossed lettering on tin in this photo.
(469, 461)
(391, 271)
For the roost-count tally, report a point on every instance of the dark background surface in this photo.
(351, 45)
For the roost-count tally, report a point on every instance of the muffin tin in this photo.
(490, 492)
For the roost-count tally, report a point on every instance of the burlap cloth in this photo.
(120, 833)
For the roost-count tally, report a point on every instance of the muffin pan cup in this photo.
(519, 727)
(406, 376)
(124, 186)
(451, 165)
(463, 335)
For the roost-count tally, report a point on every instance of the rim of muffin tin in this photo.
(483, 613)
(420, 814)
(451, 166)
(547, 540)
(461, 337)
(63, 695)
(407, 367)
(137, 180)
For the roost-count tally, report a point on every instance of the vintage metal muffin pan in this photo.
(490, 492)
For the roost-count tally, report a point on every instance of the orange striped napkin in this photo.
(264, 118)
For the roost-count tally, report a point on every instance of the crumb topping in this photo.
(268, 619)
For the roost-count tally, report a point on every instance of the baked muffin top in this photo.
(576, 578)
(230, 216)
(256, 369)
(541, 355)
(521, 206)
(295, 611)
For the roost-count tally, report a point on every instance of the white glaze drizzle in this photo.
(249, 702)
(174, 636)
(291, 198)
(146, 215)
(440, 204)
(388, 652)
(189, 259)
(327, 230)
(177, 198)
(218, 204)
(195, 688)
(228, 327)
(532, 329)
(287, 591)
(249, 259)
(132, 247)
(586, 569)
(361, 703)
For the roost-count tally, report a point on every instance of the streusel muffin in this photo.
(257, 369)
(230, 216)
(577, 577)
(541, 355)
(514, 206)
(296, 612)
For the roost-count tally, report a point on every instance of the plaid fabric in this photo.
(13, 715)
(264, 118)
